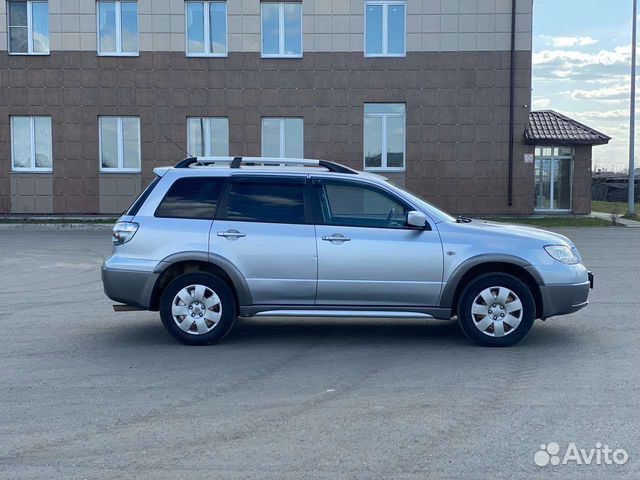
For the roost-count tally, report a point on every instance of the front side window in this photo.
(119, 144)
(117, 27)
(347, 204)
(195, 198)
(31, 146)
(385, 29)
(282, 137)
(266, 202)
(206, 29)
(28, 27)
(384, 136)
(208, 137)
(282, 29)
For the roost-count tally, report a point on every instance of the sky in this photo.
(581, 68)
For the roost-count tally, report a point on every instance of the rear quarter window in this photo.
(192, 197)
(135, 206)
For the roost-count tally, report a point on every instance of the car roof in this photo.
(225, 166)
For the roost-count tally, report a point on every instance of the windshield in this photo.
(423, 203)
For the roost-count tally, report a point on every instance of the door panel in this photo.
(378, 266)
(277, 260)
(265, 229)
(366, 253)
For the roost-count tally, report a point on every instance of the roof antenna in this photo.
(178, 146)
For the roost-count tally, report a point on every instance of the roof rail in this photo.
(237, 162)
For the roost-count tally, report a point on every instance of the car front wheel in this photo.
(198, 308)
(496, 310)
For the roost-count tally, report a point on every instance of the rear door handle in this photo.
(336, 237)
(232, 234)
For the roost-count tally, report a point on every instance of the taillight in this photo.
(123, 232)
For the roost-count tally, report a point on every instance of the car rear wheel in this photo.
(198, 308)
(496, 310)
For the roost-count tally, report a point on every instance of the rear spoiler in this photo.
(160, 171)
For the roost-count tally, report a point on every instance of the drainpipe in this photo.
(512, 95)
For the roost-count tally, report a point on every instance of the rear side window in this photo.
(195, 197)
(266, 202)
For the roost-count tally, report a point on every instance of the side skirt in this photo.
(369, 311)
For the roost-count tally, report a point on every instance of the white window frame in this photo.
(281, 33)
(118, 51)
(120, 140)
(281, 131)
(385, 4)
(207, 138)
(32, 133)
(385, 117)
(29, 31)
(207, 29)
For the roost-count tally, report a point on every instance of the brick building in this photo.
(434, 94)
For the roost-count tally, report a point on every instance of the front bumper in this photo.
(130, 287)
(562, 299)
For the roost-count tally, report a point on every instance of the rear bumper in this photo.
(129, 286)
(561, 299)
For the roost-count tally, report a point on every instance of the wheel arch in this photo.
(484, 264)
(188, 262)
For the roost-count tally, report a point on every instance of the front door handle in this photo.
(232, 234)
(336, 237)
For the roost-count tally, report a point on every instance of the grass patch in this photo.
(555, 221)
(618, 208)
(56, 221)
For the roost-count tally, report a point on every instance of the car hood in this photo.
(504, 234)
(532, 233)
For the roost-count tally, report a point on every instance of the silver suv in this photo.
(212, 239)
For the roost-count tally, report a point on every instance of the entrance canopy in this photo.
(547, 127)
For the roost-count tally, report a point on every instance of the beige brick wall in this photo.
(328, 25)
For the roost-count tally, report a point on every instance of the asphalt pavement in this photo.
(89, 393)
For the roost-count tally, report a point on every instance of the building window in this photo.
(31, 144)
(117, 28)
(119, 144)
(208, 137)
(384, 29)
(28, 28)
(282, 29)
(282, 137)
(206, 29)
(384, 136)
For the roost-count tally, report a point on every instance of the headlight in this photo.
(123, 232)
(562, 254)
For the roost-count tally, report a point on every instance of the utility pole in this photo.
(632, 119)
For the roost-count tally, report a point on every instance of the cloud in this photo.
(609, 115)
(567, 59)
(615, 92)
(565, 42)
(541, 103)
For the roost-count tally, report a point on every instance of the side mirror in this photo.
(416, 219)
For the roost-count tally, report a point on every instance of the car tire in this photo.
(496, 310)
(198, 308)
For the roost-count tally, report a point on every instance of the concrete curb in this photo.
(621, 221)
(35, 227)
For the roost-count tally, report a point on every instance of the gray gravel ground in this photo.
(89, 393)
